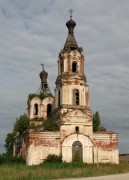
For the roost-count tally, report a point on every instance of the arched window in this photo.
(36, 109)
(74, 66)
(75, 97)
(62, 67)
(58, 98)
(49, 109)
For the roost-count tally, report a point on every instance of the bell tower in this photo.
(72, 101)
(71, 91)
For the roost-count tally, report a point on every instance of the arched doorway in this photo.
(77, 155)
(49, 109)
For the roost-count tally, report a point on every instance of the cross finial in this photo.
(42, 66)
(70, 11)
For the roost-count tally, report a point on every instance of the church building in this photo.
(69, 108)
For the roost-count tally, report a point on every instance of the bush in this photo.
(7, 159)
(50, 125)
(52, 158)
(22, 124)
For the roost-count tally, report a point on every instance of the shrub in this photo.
(8, 159)
(50, 125)
(21, 124)
(52, 158)
(9, 143)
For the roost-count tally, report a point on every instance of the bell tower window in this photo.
(49, 109)
(36, 109)
(58, 98)
(62, 67)
(74, 66)
(75, 97)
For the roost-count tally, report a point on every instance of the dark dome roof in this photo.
(43, 73)
(71, 23)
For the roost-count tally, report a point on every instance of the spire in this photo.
(70, 43)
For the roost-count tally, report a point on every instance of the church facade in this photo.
(70, 109)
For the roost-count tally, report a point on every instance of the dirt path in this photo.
(110, 177)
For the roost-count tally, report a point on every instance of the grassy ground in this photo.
(59, 170)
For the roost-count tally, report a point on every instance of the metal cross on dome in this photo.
(42, 66)
(70, 11)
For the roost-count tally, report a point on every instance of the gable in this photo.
(76, 116)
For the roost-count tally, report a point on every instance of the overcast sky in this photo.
(34, 31)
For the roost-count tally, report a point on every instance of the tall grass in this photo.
(58, 170)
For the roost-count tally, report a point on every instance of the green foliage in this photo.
(59, 171)
(102, 129)
(9, 143)
(80, 49)
(52, 158)
(38, 119)
(8, 159)
(97, 122)
(41, 96)
(50, 125)
(31, 96)
(21, 124)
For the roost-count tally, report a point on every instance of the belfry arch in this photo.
(74, 66)
(35, 109)
(76, 98)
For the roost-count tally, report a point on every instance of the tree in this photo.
(22, 124)
(9, 143)
(50, 125)
(97, 123)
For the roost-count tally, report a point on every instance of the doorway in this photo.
(77, 155)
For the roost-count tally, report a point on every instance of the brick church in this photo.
(70, 109)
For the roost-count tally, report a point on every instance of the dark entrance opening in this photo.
(77, 152)
(49, 109)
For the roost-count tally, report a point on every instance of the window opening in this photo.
(76, 97)
(74, 66)
(36, 109)
(77, 129)
(62, 67)
(49, 109)
(58, 98)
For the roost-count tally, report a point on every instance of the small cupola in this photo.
(70, 25)
(43, 75)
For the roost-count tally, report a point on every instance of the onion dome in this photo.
(70, 25)
(43, 75)
(70, 43)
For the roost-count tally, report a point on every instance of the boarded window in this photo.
(75, 97)
(74, 66)
(36, 109)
